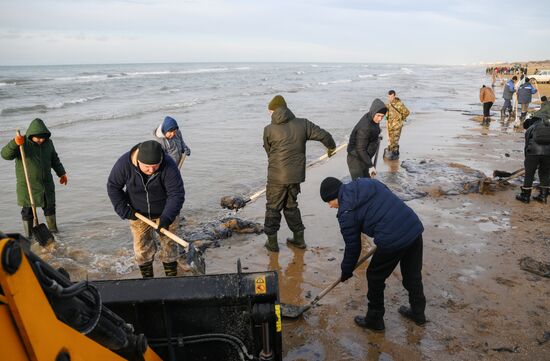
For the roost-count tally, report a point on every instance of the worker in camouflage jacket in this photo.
(397, 114)
(41, 158)
(285, 144)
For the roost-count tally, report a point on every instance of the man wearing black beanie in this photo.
(146, 181)
(368, 206)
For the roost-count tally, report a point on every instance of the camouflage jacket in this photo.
(397, 111)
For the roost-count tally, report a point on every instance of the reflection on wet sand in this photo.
(290, 281)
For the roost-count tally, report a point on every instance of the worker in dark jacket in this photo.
(364, 141)
(537, 156)
(508, 94)
(41, 158)
(368, 206)
(285, 144)
(146, 180)
(525, 95)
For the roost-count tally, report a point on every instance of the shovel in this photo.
(237, 202)
(194, 255)
(293, 311)
(502, 176)
(40, 231)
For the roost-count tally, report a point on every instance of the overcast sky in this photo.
(143, 31)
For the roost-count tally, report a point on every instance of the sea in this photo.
(98, 112)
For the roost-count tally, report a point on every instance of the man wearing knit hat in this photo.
(368, 206)
(364, 141)
(147, 181)
(285, 144)
(169, 136)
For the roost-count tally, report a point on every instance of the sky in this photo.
(45, 32)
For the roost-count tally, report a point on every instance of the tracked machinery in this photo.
(45, 316)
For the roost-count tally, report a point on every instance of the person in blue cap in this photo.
(170, 138)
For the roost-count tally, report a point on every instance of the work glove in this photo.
(163, 223)
(345, 276)
(330, 152)
(132, 214)
(19, 139)
(187, 151)
(372, 172)
(63, 179)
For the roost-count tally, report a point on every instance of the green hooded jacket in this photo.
(41, 159)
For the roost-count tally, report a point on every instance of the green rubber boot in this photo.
(298, 240)
(52, 224)
(271, 243)
(171, 268)
(27, 228)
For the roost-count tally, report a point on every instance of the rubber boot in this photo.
(27, 228)
(271, 243)
(52, 224)
(525, 195)
(418, 318)
(543, 195)
(374, 320)
(298, 240)
(170, 269)
(146, 270)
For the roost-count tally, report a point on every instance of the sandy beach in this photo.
(481, 305)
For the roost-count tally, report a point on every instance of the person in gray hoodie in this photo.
(170, 138)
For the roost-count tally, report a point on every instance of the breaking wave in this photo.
(43, 108)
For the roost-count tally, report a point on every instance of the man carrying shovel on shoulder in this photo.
(368, 206)
(147, 182)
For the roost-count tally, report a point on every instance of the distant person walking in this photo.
(169, 136)
(368, 206)
(41, 158)
(508, 95)
(285, 144)
(525, 96)
(487, 97)
(364, 141)
(397, 115)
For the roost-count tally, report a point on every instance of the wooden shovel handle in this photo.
(29, 189)
(182, 159)
(164, 231)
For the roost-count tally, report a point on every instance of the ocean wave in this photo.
(407, 71)
(363, 76)
(19, 81)
(43, 108)
(340, 81)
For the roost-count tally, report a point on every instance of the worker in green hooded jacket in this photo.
(41, 158)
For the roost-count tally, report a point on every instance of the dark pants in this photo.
(507, 105)
(282, 197)
(382, 265)
(487, 109)
(357, 168)
(532, 162)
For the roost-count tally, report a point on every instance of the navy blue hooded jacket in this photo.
(368, 206)
(160, 195)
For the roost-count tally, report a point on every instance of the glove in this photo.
(132, 214)
(330, 152)
(63, 179)
(372, 172)
(345, 276)
(163, 223)
(19, 139)
(187, 151)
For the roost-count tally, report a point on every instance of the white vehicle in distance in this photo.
(541, 76)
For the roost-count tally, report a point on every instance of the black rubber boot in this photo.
(146, 270)
(298, 240)
(271, 243)
(543, 195)
(418, 318)
(27, 228)
(374, 320)
(171, 268)
(52, 224)
(525, 195)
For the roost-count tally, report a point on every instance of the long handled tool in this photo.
(293, 311)
(182, 159)
(40, 231)
(502, 176)
(194, 255)
(237, 202)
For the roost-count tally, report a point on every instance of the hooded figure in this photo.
(364, 141)
(170, 138)
(41, 158)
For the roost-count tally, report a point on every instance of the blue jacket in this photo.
(509, 90)
(368, 206)
(160, 196)
(525, 93)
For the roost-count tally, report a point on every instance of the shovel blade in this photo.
(43, 235)
(293, 311)
(195, 259)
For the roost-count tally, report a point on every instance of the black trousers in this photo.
(487, 109)
(532, 162)
(282, 197)
(382, 265)
(357, 168)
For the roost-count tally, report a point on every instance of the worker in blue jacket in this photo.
(368, 206)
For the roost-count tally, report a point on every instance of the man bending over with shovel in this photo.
(146, 181)
(368, 206)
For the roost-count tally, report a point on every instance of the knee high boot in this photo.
(146, 270)
(525, 195)
(27, 228)
(298, 240)
(543, 195)
(171, 268)
(52, 224)
(271, 243)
